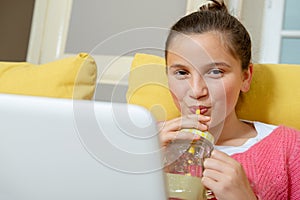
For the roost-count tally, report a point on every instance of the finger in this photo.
(177, 126)
(197, 117)
(160, 124)
(170, 130)
(183, 135)
(166, 138)
(171, 125)
(221, 162)
(214, 175)
(196, 125)
(221, 156)
(209, 183)
(188, 121)
(180, 135)
(214, 164)
(203, 118)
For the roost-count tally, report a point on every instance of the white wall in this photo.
(98, 23)
(252, 18)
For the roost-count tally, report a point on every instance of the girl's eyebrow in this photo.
(216, 64)
(177, 66)
(213, 64)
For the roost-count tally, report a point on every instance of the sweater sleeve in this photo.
(273, 165)
(294, 167)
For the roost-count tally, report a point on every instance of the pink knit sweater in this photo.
(273, 165)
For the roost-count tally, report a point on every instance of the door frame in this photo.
(271, 31)
(49, 30)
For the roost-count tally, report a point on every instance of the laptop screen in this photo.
(71, 149)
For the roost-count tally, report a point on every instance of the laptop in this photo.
(76, 149)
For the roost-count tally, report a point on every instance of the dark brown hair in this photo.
(214, 17)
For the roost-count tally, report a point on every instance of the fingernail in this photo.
(196, 137)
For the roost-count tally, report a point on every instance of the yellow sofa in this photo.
(72, 77)
(274, 96)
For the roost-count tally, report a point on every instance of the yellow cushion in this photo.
(72, 77)
(273, 97)
(148, 86)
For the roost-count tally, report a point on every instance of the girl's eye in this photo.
(181, 74)
(215, 73)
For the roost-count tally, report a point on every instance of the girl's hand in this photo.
(226, 178)
(170, 130)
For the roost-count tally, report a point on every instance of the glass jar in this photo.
(184, 166)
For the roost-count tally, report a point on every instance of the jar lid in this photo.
(204, 134)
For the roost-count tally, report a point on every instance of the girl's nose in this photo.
(198, 87)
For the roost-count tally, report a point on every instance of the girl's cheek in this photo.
(176, 101)
(178, 92)
(175, 88)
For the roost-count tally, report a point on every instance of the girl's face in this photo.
(204, 75)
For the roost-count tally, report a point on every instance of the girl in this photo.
(208, 56)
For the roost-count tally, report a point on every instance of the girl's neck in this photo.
(233, 132)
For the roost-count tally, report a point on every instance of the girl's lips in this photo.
(203, 109)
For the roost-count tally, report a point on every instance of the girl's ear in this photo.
(247, 78)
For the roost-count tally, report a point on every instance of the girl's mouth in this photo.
(203, 109)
